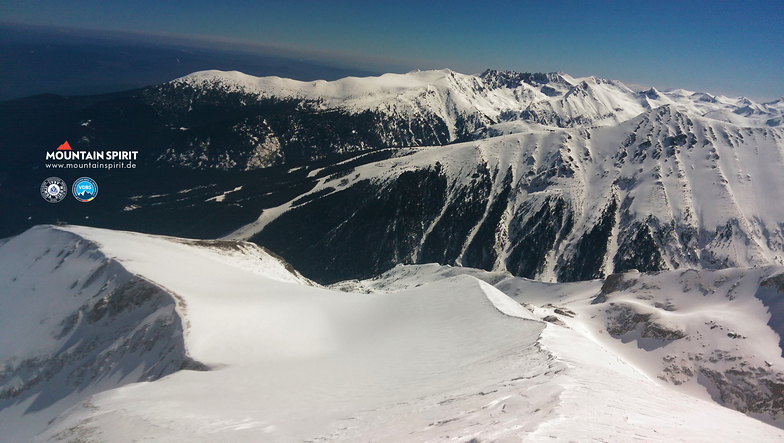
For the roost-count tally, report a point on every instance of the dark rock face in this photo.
(537, 236)
(481, 252)
(589, 252)
(367, 228)
(361, 231)
(509, 79)
(748, 389)
(444, 244)
(637, 249)
(613, 283)
(623, 319)
(771, 294)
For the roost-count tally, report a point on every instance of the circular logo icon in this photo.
(84, 189)
(54, 189)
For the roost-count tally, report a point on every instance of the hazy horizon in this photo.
(723, 48)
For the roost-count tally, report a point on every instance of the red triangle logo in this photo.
(64, 147)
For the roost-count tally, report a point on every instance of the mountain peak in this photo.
(651, 93)
(511, 79)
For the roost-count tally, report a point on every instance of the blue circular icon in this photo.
(84, 189)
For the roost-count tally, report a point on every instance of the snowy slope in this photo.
(290, 361)
(282, 360)
(74, 323)
(714, 335)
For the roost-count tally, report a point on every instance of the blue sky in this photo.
(728, 47)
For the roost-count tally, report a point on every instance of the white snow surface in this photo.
(445, 357)
(706, 334)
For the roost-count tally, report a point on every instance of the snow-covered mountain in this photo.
(76, 321)
(663, 190)
(455, 100)
(424, 108)
(556, 178)
(116, 336)
(232, 121)
(664, 207)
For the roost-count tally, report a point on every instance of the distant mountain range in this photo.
(544, 175)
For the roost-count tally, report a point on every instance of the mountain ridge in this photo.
(661, 191)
